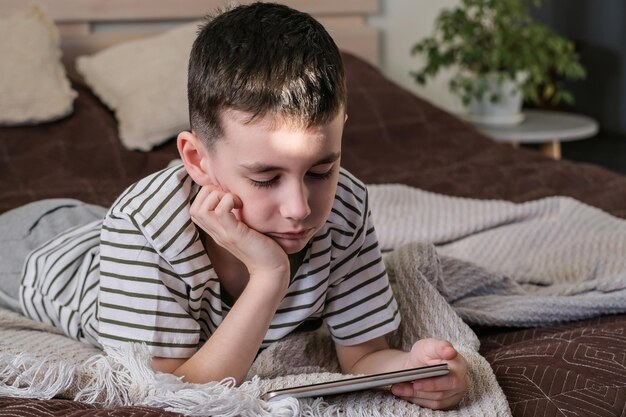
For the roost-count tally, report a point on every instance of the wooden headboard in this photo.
(87, 26)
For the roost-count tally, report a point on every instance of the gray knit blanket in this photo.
(506, 264)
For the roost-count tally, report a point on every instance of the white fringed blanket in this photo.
(77, 371)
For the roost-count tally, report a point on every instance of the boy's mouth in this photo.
(292, 235)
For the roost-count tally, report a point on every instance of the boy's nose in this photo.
(296, 204)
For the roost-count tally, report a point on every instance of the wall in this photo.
(599, 30)
(402, 24)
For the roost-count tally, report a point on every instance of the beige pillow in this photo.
(33, 84)
(144, 82)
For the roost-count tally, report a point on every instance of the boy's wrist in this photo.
(269, 283)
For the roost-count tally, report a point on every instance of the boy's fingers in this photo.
(436, 404)
(432, 395)
(224, 211)
(402, 389)
(237, 203)
(203, 197)
(204, 192)
(228, 203)
(448, 382)
(432, 399)
(211, 201)
(214, 209)
(428, 386)
(225, 205)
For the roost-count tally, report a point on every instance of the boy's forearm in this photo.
(373, 356)
(230, 351)
(384, 360)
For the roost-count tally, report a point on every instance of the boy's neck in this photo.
(232, 273)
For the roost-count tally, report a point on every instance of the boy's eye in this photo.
(320, 175)
(264, 183)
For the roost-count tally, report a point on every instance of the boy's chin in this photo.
(291, 249)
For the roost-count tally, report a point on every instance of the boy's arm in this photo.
(230, 350)
(375, 356)
(142, 300)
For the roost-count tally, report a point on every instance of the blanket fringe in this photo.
(319, 408)
(120, 377)
(25, 376)
(124, 377)
(217, 399)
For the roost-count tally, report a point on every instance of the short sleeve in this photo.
(141, 298)
(360, 304)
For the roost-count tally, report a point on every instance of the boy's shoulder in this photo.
(161, 191)
(351, 206)
(154, 209)
(350, 185)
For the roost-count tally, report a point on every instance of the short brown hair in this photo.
(263, 59)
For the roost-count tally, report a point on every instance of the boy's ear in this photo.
(194, 156)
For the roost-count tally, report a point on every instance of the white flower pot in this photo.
(507, 110)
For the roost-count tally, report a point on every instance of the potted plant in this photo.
(502, 57)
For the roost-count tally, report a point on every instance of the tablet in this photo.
(358, 383)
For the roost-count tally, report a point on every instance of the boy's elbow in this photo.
(191, 373)
(167, 365)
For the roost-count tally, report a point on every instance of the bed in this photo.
(574, 368)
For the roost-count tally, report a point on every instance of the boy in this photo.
(259, 230)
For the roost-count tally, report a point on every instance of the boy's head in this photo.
(267, 101)
(263, 59)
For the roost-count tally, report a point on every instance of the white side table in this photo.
(547, 128)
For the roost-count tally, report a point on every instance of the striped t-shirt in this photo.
(143, 275)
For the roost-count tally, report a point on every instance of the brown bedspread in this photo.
(391, 136)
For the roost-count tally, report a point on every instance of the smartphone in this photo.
(358, 383)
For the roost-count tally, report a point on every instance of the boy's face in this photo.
(286, 177)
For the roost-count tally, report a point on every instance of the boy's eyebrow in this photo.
(258, 167)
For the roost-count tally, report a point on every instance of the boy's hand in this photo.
(439, 392)
(215, 212)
